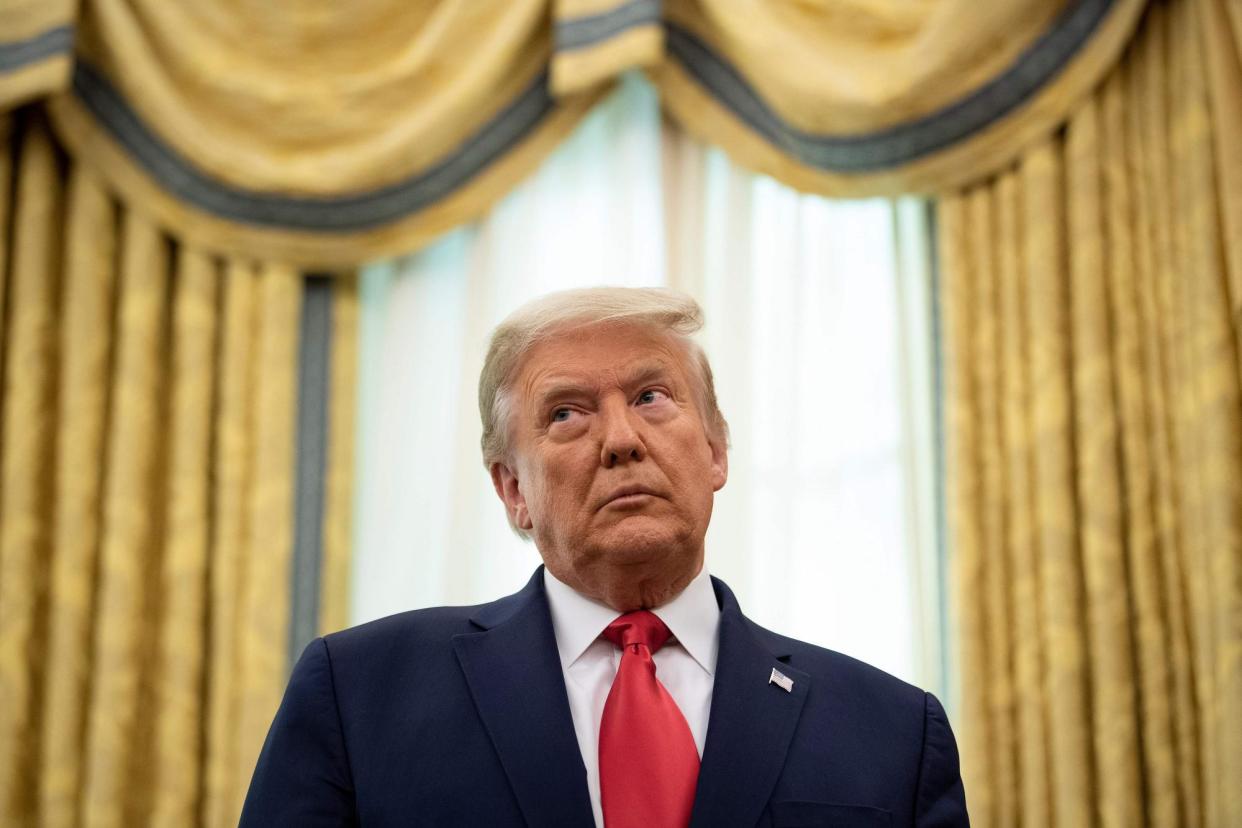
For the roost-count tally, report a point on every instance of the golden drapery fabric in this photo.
(146, 499)
(325, 134)
(876, 97)
(1094, 418)
(595, 40)
(36, 49)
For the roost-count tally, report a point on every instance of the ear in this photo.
(505, 481)
(720, 464)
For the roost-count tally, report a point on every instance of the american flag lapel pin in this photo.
(781, 680)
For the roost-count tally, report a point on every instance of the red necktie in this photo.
(648, 764)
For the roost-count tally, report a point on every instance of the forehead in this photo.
(600, 353)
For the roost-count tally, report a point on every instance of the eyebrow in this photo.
(560, 387)
(643, 372)
(640, 373)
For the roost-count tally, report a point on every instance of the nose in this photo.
(622, 442)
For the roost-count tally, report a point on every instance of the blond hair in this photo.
(660, 309)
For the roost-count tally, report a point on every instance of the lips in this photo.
(623, 494)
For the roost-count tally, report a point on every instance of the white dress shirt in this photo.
(685, 665)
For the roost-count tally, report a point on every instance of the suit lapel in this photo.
(515, 678)
(750, 725)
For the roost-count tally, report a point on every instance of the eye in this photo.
(560, 415)
(650, 396)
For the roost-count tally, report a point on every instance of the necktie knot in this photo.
(639, 627)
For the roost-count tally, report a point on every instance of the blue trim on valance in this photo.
(343, 214)
(581, 32)
(19, 53)
(866, 153)
(895, 146)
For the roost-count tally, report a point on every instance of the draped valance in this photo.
(325, 133)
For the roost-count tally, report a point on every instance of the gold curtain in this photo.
(1094, 414)
(146, 498)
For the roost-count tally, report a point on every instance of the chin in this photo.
(640, 540)
(634, 563)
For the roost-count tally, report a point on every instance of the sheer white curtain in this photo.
(818, 333)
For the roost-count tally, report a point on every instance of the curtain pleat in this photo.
(1097, 452)
(999, 686)
(183, 585)
(1221, 27)
(1027, 647)
(26, 482)
(234, 470)
(1056, 517)
(117, 782)
(263, 615)
(1140, 563)
(1213, 421)
(1145, 132)
(963, 488)
(82, 415)
(1122, 405)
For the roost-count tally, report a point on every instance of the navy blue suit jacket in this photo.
(459, 716)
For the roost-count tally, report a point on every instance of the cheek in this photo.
(693, 471)
(561, 485)
(557, 477)
(695, 452)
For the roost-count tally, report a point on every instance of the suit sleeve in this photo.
(941, 799)
(303, 777)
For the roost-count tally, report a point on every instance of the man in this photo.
(622, 686)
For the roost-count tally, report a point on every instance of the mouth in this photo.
(628, 497)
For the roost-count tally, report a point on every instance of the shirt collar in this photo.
(693, 618)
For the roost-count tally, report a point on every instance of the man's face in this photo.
(610, 467)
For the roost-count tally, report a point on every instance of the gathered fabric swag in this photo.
(327, 134)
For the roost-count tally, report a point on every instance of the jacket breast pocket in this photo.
(815, 814)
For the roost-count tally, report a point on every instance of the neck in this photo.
(626, 594)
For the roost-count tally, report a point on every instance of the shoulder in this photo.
(394, 638)
(377, 669)
(894, 735)
(885, 724)
(840, 684)
(429, 623)
(836, 667)
(430, 628)
(847, 683)
(401, 653)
